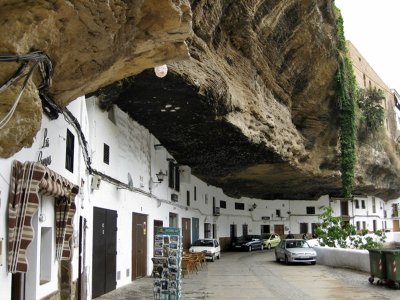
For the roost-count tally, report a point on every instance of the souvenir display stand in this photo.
(167, 264)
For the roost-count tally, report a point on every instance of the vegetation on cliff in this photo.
(347, 94)
(372, 113)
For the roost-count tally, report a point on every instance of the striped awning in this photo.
(28, 180)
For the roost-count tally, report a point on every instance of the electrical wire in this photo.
(45, 65)
(9, 115)
(40, 60)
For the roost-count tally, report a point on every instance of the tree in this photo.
(333, 232)
(373, 114)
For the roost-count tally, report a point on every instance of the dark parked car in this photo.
(248, 243)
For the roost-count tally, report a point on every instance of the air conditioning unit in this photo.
(265, 218)
(174, 197)
(96, 180)
(216, 211)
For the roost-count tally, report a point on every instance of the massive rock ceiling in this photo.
(253, 109)
(91, 44)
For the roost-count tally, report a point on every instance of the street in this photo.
(256, 275)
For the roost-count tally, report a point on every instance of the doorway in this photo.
(195, 229)
(233, 232)
(245, 230)
(344, 208)
(265, 229)
(104, 258)
(139, 245)
(82, 277)
(280, 230)
(186, 233)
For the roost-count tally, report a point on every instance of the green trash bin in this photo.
(392, 258)
(377, 265)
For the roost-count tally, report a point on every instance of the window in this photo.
(363, 204)
(357, 203)
(373, 205)
(188, 198)
(364, 225)
(173, 176)
(239, 206)
(45, 254)
(207, 230)
(278, 212)
(195, 194)
(310, 211)
(358, 225)
(69, 156)
(177, 179)
(205, 198)
(106, 154)
(173, 220)
(222, 204)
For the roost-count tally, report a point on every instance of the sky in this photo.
(373, 26)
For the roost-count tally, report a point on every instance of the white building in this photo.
(114, 162)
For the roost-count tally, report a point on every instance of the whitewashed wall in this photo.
(55, 152)
(132, 152)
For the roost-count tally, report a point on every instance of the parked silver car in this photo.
(295, 251)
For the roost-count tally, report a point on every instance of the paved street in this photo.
(256, 275)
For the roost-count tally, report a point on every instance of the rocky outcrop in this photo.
(252, 110)
(91, 44)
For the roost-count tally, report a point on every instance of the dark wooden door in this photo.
(186, 230)
(104, 251)
(195, 229)
(280, 230)
(139, 246)
(82, 293)
(396, 226)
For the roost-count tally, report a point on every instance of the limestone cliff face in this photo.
(252, 110)
(91, 44)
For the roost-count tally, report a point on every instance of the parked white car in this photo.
(210, 246)
(295, 251)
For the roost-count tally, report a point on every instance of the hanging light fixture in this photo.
(160, 177)
(161, 71)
